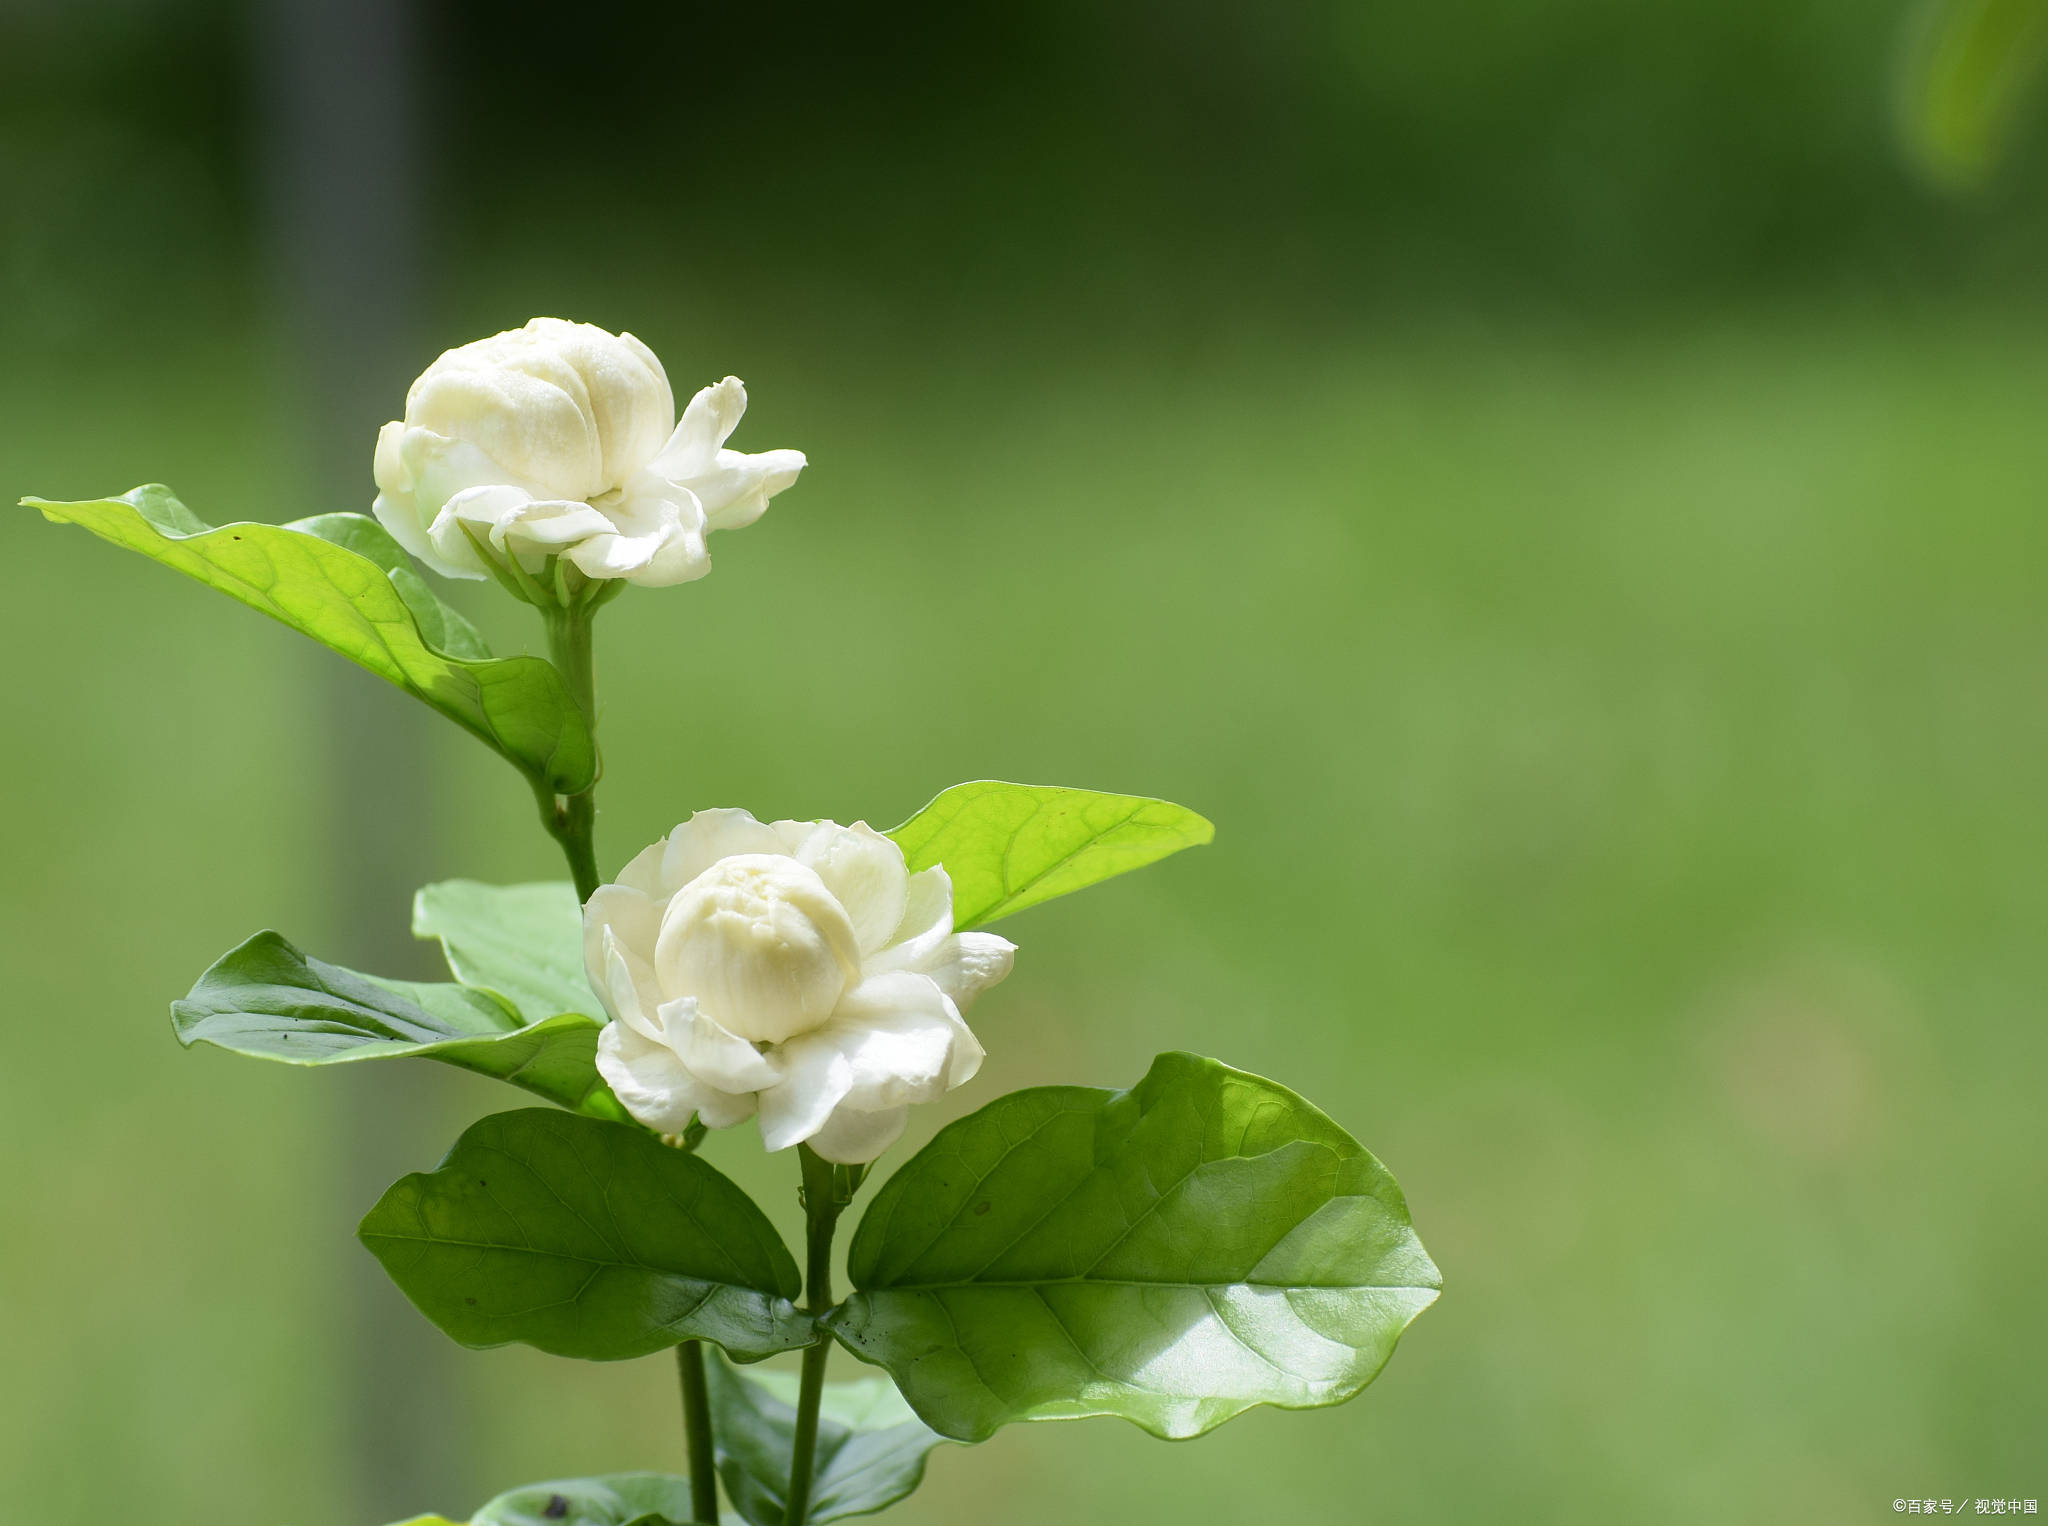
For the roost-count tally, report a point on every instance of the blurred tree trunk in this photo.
(338, 85)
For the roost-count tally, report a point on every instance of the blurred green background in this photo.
(1550, 482)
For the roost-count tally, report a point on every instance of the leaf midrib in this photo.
(1147, 1282)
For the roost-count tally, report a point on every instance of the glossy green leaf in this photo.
(617, 1499)
(521, 942)
(340, 579)
(1009, 846)
(1173, 1254)
(871, 1447)
(586, 1239)
(269, 1000)
(1977, 65)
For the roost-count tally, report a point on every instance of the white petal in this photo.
(713, 1055)
(860, 866)
(573, 409)
(815, 1075)
(709, 417)
(625, 913)
(472, 516)
(643, 872)
(543, 524)
(927, 922)
(655, 1088)
(898, 1034)
(630, 991)
(657, 537)
(853, 1138)
(966, 964)
(436, 467)
(607, 555)
(733, 486)
(967, 1053)
(679, 558)
(709, 836)
(526, 409)
(736, 491)
(399, 509)
(721, 1110)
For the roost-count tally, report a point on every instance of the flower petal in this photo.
(736, 491)
(631, 993)
(712, 1054)
(709, 836)
(656, 539)
(400, 508)
(815, 1076)
(927, 922)
(653, 1086)
(643, 872)
(709, 418)
(622, 912)
(733, 486)
(966, 964)
(471, 517)
(899, 1035)
(519, 403)
(546, 525)
(852, 1137)
(862, 868)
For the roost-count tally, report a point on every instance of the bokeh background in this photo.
(1559, 485)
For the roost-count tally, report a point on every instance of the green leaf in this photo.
(616, 1499)
(1976, 64)
(442, 626)
(1173, 1254)
(269, 1000)
(1010, 846)
(871, 1448)
(341, 580)
(522, 942)
(586, 1239)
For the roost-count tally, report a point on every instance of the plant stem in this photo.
(697, 1431)
(827, 1189)
(572, 819)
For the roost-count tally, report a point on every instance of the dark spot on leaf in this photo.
(557, 1507)
(982, 1206)
(470, 1301)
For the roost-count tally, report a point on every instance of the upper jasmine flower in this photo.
(560, 439)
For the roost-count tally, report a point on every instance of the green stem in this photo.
(827, 1189)
(572, 819)
(697, 1430)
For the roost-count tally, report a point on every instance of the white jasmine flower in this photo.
(792, 968)
(560, 439)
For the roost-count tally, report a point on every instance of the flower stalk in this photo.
(572, 819)
(827, 1189)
